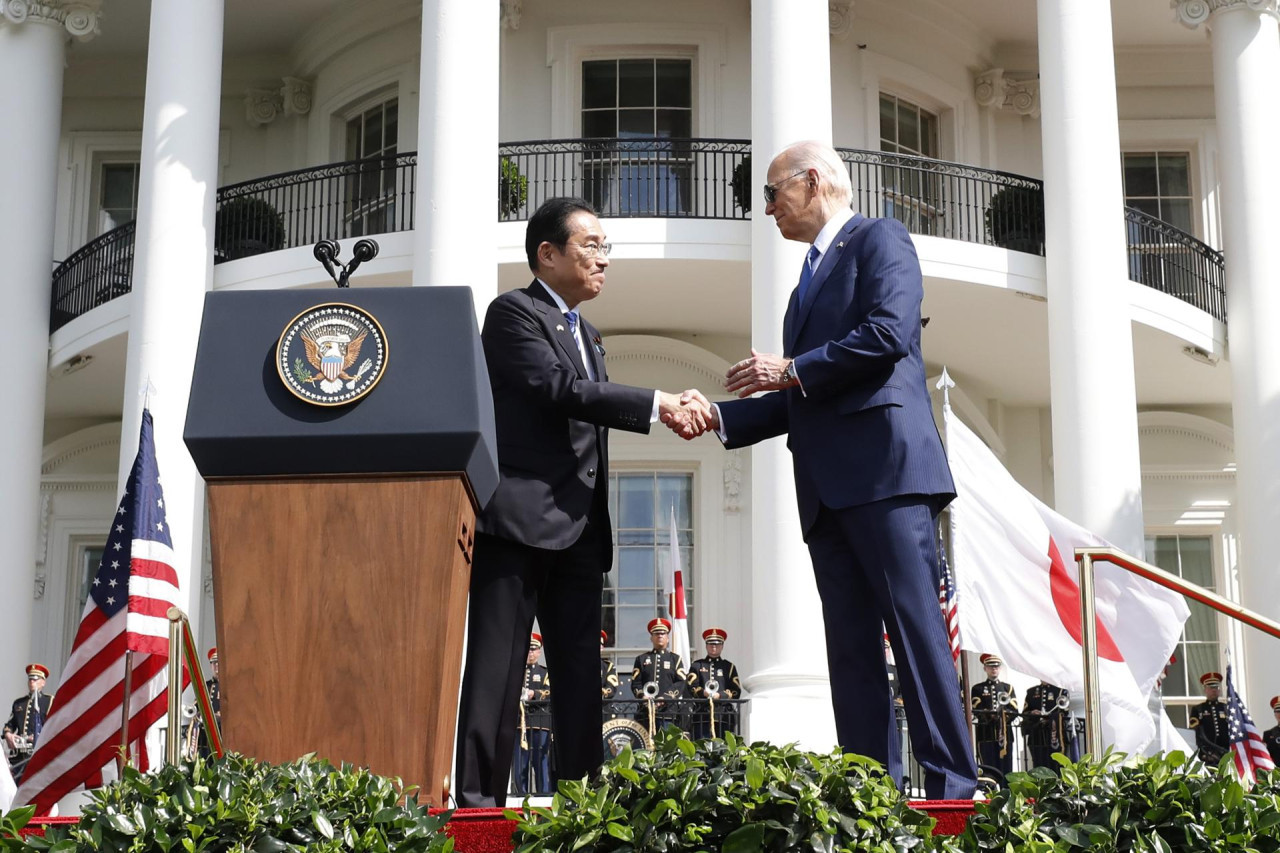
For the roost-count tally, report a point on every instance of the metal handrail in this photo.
(1088, 613)
(182, 645)
(1170, 260)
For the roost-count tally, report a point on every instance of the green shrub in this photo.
(513, 188)
(237, 804)
(247, 225)
(741, 184)
(1164, 804)
(1015, 219)
(726, 795)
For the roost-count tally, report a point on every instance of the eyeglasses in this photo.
(592, 250)
(771, 190)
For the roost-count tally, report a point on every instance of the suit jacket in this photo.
(862, 429)
(552, 423)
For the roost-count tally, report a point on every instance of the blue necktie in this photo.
(572, 317)
(806, 274)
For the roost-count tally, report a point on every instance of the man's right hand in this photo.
(688, 415)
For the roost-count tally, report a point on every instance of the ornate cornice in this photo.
(262, 106)
(511, 12)
(840, 17)
(1193, 13)
(78, 17)
(992, 89)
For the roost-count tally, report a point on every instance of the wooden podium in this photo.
(341, 536)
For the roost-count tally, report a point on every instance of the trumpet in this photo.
(1063, 703)
(1003, 698)
(191, 743)
(650, 690)
(712, 686)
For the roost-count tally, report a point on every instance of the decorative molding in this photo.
(840, 17)
(993, 89)
(1193, 13)
(261, 106)
(296, 95)
(37, 590)
(511, 12)
(1184, 425)
(733, 481)
(80, 18)
(46, 515)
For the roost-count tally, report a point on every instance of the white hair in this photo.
(811, 154)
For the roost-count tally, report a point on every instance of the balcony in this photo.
(666, 178)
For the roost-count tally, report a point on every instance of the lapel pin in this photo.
(840, 245)
(559, 328)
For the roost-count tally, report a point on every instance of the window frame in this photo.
(1193, 197)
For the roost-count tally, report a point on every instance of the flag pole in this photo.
(945, 384)
(123, 761)
(1089, 650)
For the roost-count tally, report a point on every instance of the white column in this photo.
(173, 258)
(456, 209)
(790, 101)
(32, 54)
(1246, 64)
(1097, 478)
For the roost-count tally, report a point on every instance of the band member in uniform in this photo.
(215, 699)
(1272, 735)
(608, 677)
(1048, 726)
(658, 674)
(994, 706)
(1209, 719)
(711, 680)
(27, 719)
(533, 747)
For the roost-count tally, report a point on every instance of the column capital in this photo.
(79, 17)
(840, 17)
(1193, 13)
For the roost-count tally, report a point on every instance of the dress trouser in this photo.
(510, 584)
(878, 563)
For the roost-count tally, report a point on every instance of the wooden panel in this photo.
(340, 611)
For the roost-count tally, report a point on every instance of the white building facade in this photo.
(1088, 185)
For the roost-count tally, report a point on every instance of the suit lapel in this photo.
(830, 258)
(557, 326)
(590, 336)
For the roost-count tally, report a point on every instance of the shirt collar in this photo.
(829, 231)
(560, 303)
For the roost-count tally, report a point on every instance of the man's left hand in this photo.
(761, 372)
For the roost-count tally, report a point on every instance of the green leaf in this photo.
(620, 831)
(322, 824)
(755, 772)
(748, 838)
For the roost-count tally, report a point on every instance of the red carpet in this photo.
(487, 831)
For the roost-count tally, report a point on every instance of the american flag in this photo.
(947, 600)
(1247, 745)
(132, 591)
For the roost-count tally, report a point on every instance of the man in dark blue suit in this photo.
(871, 477)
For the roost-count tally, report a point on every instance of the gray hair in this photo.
(824, 159)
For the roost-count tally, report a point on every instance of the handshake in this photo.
(690, 414)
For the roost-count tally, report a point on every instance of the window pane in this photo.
(674, 124)
(632, 622)
(371, 142)
(1174, 171)
(599, 84)
(888, 122)
(1146, 205)
(674, 492)
(635, 123)
(390, 130)
(635, 569)
(908, 127)
(599, 124)
(674, 82)
(1201, 658)
(635, 501)
(928, 134)
(635, 83)
(118, 185)
(1197, 560)
(1140, 175)
(1175, 683)
(1177, 212)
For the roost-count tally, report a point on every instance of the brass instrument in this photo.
(1003, 699)
(191, 743)
(650, 690)
(1063, 703)
(712, 688)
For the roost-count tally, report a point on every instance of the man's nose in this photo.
(769, 208)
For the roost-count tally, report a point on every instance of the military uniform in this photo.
(26, 720)
(1048, 726)
(533, 747)
(1272, 735)
(666, 670)
(724, 674)
(994, 728)
(1209, 721)
(211, 687)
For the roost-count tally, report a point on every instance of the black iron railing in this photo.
(668, 178)
(93, 275)
(302, 207)
(940, 199)
(1172, 261)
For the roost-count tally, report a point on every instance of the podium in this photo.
(341, 534)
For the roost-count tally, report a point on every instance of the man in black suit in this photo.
(544, 541)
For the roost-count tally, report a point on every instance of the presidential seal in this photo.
(620, 734)
(331, 354)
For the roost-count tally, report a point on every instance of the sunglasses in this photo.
(771, 190)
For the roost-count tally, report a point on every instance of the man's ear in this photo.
(544, 252)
